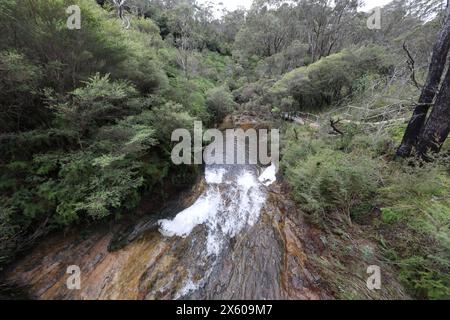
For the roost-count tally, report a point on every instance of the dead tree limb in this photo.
(412, 66)
(333, 126)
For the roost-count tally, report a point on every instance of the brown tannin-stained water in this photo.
(240, 239)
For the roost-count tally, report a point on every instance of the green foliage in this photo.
(19, 80)
(328, 182)
(330, 79)
(268, 32)
(333, 178)
(169, 117)
(142, 65)
(294, 56)
(214, 66)
(99, 178)
(416, 202)
(424, 279)
(90, 185)
(219, 102)
(87, 115)
(38, 30)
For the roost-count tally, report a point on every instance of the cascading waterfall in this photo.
(232, 202)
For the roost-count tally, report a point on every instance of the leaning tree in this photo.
(428, 134)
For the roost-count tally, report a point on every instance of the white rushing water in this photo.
(231, 202)
(269, 175)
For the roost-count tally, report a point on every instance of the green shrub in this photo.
(416, 211)
(336, 177)
(426, 277)
(219, 102)
(326, 182)
(167, 118)
(89, 168)
(142, 65)
(69, 56)
(332, 78)
(19, 97)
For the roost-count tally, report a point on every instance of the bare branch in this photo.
(333, 125)
(412, 66)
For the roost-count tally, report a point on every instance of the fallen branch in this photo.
(376, 123)
(333, 125)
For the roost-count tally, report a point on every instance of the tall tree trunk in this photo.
(437, 127)
(436, 69)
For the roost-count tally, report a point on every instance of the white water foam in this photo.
(188, 287)
(183, 224)
(214, 176)
(226, 208)
(269, 175)
(232, 201)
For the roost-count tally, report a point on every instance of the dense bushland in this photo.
(343, 180)
(87, 115)
(347, 178)
(329, 80)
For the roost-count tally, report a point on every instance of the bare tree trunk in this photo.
(436, 69)
(437, 127)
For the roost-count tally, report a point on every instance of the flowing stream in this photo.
(240, 238)
(230, 205)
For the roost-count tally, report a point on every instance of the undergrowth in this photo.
(343, 182)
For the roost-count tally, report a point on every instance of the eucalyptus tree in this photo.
(327, 22)
(430, 134)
